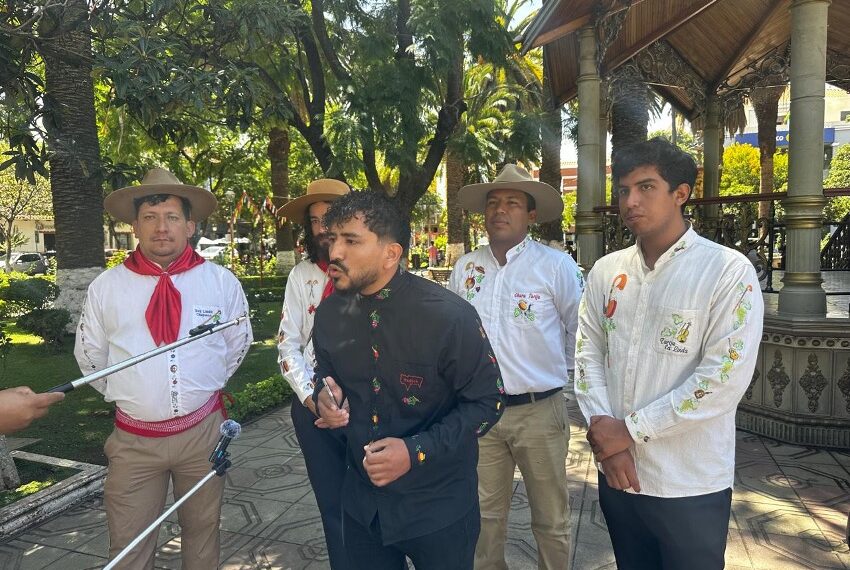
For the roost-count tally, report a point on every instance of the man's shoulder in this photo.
(726, 256)
(550, 255)
(304, 268)
(111, 276)
(476, 256)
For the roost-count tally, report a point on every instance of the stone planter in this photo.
(35, 508)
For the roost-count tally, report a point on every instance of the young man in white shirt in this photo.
(308, 285)
(669, 331)
(527, 296)
(169, 407)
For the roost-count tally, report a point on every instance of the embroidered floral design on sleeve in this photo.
(581, 384)
(729, 358)
(481, 428)
(474, 277)
(500, 386)
(609, 307)
(635, 420)
(374, 319)
(727, 363)
(743, 306)
(420, 455)
(579, 343)
(580, 278)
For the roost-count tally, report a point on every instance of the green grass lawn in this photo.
(77, 427)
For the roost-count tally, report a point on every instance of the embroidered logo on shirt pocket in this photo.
(677, 332)
(205, 314)
(523, 308)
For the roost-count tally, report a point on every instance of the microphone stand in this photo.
(196, 333)
(219, 468)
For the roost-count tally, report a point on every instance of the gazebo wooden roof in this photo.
(685, 47)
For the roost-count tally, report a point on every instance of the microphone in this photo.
(230, 430)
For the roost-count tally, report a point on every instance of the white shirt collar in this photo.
(682, 244)
(512, 252)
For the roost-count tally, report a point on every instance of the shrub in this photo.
(249, 283)
(49, 324)
(258, 398)
(27, 294)
(117, 258)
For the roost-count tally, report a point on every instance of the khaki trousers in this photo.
(140, 469)
(534, 437)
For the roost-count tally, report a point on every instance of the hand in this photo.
(386, 460)
(330, 414)
(620, 471)
(608, 436)
(20, 406)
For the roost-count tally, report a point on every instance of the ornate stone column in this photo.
(802, 293)
(590, 186)
(711, 154)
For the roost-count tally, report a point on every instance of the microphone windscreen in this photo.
(231, 429)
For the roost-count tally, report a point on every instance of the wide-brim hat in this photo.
(159, 181)
(321, 190)
(549, 204)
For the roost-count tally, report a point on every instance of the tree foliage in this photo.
(838, 177)
(19, 198)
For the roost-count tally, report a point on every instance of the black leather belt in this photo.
(530, 397)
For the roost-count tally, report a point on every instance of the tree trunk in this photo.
(550, 139)
(455, 177)
(278, 152)
(9, 478)
(765, 102)
(76, 179)
(629, 109)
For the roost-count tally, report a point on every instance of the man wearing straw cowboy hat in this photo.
(307, 285)
(527, 295)
(168, 408)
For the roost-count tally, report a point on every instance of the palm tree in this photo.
(765, 102)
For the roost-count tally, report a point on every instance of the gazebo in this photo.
(705, 57)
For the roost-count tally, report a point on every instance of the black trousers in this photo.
(324, 455)
(666, 533)
(450, 548)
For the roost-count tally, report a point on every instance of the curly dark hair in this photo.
(673, 164)
(380, 215)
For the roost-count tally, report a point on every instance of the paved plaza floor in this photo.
(789, 510)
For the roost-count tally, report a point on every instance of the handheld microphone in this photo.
(230, 430)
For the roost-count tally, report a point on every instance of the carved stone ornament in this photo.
(844, 385)
(813, 382)
(749, 393)
(778, 378)
(662, 64)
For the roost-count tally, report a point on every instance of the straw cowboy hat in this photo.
(159, 181)
(512, 177)
(321, 190)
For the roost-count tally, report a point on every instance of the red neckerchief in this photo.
(165, 306)
(329, 285)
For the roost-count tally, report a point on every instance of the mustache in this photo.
(339, 265)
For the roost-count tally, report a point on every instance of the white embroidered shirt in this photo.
(112, 328)
(528, 308)
(672, 351)
(296, 358)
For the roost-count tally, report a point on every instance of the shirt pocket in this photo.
(676, 332)
(205, 314)
(407, 389)
(526, 310)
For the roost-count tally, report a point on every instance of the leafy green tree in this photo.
(19, 198)
(839, 177)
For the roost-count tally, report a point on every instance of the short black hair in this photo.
(380, 215)
(154, 199)
(674, 165)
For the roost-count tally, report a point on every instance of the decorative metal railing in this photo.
(731, 221)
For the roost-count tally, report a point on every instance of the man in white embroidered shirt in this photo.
(668, 335)
(169, 407)
(527, 296)
(308, 285)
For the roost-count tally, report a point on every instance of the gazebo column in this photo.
(590, 186)
(802, 293)
(711, 155)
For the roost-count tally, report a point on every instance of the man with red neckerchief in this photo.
(168, 408)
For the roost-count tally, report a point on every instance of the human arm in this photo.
(591, 381)
(237, 338)
(20, 406)
(91, 344)
(292, 341)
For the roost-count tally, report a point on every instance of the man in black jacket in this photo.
(405, 368)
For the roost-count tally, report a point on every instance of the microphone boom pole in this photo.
(196, 333)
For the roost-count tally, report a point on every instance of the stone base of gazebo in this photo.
(800, 391)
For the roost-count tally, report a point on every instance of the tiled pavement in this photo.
(789, 511)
